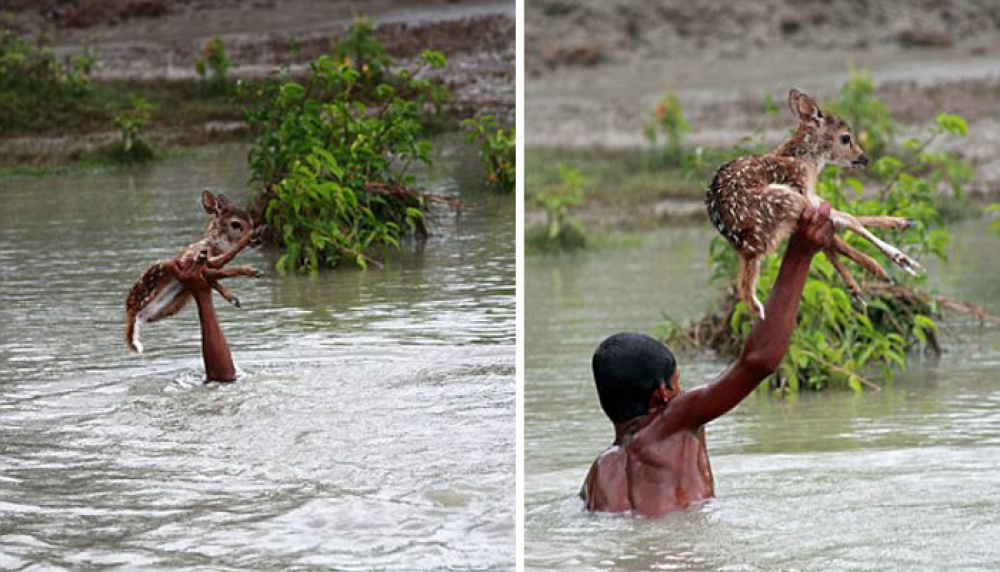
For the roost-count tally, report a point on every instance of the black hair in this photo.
(628, 368)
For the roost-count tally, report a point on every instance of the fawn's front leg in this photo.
(232, 272)
(224, 258)
(845, 274)
(844, 220)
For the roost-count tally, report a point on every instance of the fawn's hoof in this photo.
(236, 302)
(258, 235)
(910, 222)
(908, 264)
(859, 300)
(254, 273)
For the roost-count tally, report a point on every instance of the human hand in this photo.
(815, 230)
(190, 271)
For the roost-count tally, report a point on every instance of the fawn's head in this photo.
(229, 222)
(822, 137)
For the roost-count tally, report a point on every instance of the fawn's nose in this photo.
(862, 161)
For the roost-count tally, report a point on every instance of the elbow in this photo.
(761, 364)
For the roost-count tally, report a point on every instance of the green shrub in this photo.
(38, 91)
(34, 68)
(216, 62)
(333, 157)
(132, 147)
(835, 342)
(497, 149)
(560, 231)
(362, 50)
(668, 120)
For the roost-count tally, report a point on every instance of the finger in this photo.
(824, 209)
(829, 226)
(805, 219)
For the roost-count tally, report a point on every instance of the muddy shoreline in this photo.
(477, 37)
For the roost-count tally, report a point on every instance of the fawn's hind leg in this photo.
(844, 220)
(746, 282)
(225, 292)
(845, 274)
(224, 258)
(860, 258)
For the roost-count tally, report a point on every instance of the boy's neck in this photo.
(626, 428)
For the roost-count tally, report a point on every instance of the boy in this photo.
(658, 462)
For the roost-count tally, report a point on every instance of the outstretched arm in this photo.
(768, 341)
(214, 349)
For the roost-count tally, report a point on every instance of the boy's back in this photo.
(651, 476)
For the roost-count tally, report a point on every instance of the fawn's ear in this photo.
(804, 108)
(208, 202)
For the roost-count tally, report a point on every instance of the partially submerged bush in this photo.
(333, 156)
(835, 342)
(497, 149)
(561, 231)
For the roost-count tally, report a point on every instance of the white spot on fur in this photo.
(135, 334)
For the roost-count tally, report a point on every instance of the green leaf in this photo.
(433, 58)
(953, 124)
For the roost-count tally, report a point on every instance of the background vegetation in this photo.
(497, 149)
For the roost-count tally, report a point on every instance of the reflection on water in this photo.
(372, 428)
(906, 479)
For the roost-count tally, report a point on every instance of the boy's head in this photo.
(629, 369)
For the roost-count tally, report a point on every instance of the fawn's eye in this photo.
(236, 226)
(845, 138)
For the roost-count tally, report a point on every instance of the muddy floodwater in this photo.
(906, 479)
(372, 426)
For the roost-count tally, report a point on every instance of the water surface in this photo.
(372, 426)
(906, 479)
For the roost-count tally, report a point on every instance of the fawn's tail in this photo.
(132, 328)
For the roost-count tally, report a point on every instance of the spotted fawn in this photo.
(755, 202)
(158, 295)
